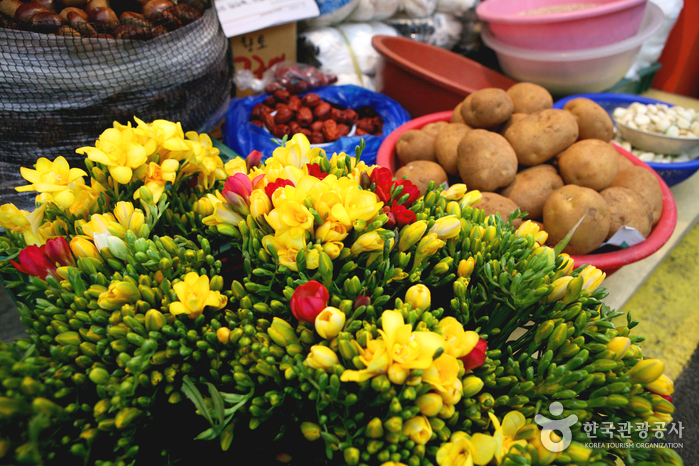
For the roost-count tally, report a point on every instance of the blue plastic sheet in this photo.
(244, 137)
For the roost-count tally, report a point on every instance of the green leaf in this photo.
(194, 394)
(564, 242)
(218, 402)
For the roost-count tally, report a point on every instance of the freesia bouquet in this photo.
(305, 308)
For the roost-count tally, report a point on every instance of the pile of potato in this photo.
(556, 165)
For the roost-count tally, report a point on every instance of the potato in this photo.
(627, 208)
(445, 147)
(486, 108)
(541, 135)
(529, 98)
(532, 187)
(421, 172)
(593, 121)
(624, 162)
(591, 163)
(415, 145)
(564, 209)
(486, 161)
(456, 114)
(510, 121)
(434, 128)
(645, 183)
(493, 203)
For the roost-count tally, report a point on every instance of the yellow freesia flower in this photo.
(235, 165)
(160, 133)
(464, 451)
(260, 204)
(194, 295)
(368, 242)
(329, 322)
(82, 247)
(29, 225)
(592, 277)
(331, 231)
(297, 152)
(321, 357)
(98, 224)
(430, 404)
(203, 207)
(290, 222)
(375, 358)
(458, 342)
(157, 177)
(333, 249)
(120, 150)
(85, 197)
(52, 178)
(505, 434)
(442, 375)
(358, 204)
(418, 429)
(446, 227)
(419, 297)
(412, 350)
(663, 385)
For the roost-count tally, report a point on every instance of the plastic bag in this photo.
(441, 29)
(374, 10)
(344, 50)
(653, 47)
(332, 12)
(244, 137)
(293, 77)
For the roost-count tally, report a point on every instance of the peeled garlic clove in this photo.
(672, 131)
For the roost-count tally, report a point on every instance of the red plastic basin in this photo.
(608, 262)
(425, 79)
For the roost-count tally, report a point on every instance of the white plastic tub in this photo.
(576, 71)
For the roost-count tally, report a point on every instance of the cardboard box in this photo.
(259, 50)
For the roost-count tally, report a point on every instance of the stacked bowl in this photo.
(568, 46)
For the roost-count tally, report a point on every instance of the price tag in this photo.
(243, 16)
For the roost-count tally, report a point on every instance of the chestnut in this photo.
(67, 31)
(9, 7)
(156, 6)
(186, 13)
(70, 11)
(26, 11)
(48, 4)
(131, 32)
(102, 15)
(46, 21)
(74, 3)
(92, 4)
(134, 19)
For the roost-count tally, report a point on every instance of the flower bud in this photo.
(203, 207)
(145, 194)
(663, 385)
(398, 374)
(418, 429)
(222, 334)
(619, 346)
(465, 268)
(646, 371)
(411, 234)
(154, 320)
(253, 159)
(282, 333)
(310, 431)
(476, 358)
(592, 277)
(560, 286)
(371, 241)
(309, 300)
(84, 248)
(567, 266)
(333, 249)
(470, 198)
(329, 322)
(118, 248)
(430, 404)
(260, 204)
(374, 429)
(419, 297)
(446, 227)
(472, 385)
(455, 192)
(321, 357)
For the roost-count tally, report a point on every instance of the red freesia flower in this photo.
(309, 300)
(280, 183)
(314, 170)
(383, 179)
(33, 261)
(410, 189)
(403, 215)
(237, 192)
(58, 251)
(476, 358)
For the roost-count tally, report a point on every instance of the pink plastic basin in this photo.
(608, 262)
(608, 22)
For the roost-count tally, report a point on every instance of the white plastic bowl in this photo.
(577, 71)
